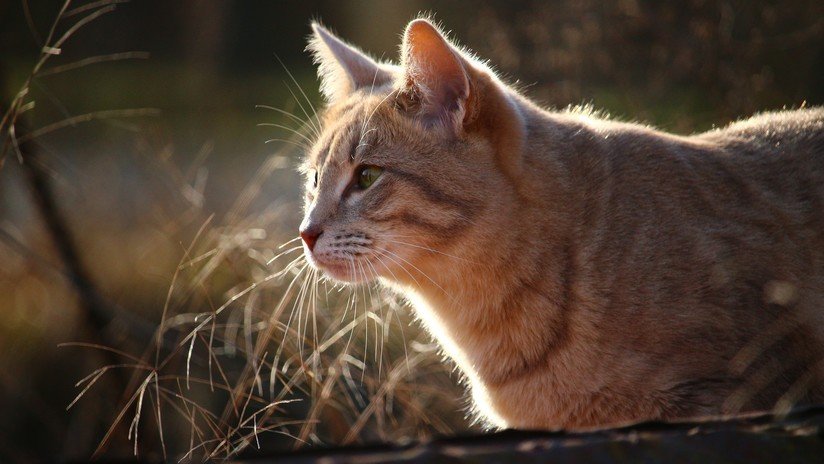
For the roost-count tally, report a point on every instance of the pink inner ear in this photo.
(435, 68)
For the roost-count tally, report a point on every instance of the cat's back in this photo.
(771, 162)
(708, 231)
(775, 133)
(774, 161)
(775, 146)
(750, 185)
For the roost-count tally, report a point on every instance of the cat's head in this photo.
(409, 168)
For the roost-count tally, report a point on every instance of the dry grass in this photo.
(284, 352)
(253, 347)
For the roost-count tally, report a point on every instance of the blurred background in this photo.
(143, 190)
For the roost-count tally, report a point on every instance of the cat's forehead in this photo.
(348, 128)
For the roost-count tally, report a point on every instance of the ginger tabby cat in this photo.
(581, 272)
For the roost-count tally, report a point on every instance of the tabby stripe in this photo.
(333, 146)
(347, 107)
(411, 219)
(321, 158)
(336, 138)
(561, 337)
(434, 194)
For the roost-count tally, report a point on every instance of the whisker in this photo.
(299, 303)
(292, 312)
(315, 313)
(371, 89)
(400, 323)
(302, 122)
(287, 128)
(353, 297)
(374, 110)
(297, 144)
(290, 250)
(373, 290)
(290, 266)
(417, 269)
(291, 76)
(365, 309)
(400, 265)
(349, 287)
(378, 354)
(392, 240)
(288, 242)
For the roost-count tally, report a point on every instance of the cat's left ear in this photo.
(343, 68)
(436, 75)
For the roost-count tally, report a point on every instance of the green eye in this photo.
(367, 175)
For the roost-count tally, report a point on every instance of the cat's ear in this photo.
(343, 68)
(436, 74)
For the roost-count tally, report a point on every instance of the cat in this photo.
(581, 272)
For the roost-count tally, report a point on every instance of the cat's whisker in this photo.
(299, 313)
(283, 253)
(292, 312)
(289, 321)
(372, 113)
(287, 128)
(400, 265)
(297, 144)
(315, 312)
(361, 143)
(353, 296)
(319, 127)
(349, 287)
(288, 242)
(378, 355)
(416, 268)
(371, 89)
(365, 310)
(301, 308)
(400, 323)
(398, 242)
(304, 313)
(311, 313)
(302, 108)
(302, 122)
(289, 267)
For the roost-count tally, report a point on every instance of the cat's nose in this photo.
(310, 236)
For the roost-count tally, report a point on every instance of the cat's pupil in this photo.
(315, 180)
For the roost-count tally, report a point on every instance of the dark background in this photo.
(134, 191)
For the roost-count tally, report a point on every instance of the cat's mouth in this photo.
(353, 270)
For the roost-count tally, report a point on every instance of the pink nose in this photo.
(310, 237)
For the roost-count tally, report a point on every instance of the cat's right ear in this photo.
(436, 76)
(343, 68)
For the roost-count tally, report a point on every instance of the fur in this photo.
(581, 272)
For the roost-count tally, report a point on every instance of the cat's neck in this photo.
(497, 322)
(500, 304)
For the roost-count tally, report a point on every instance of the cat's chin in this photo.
(341, 272)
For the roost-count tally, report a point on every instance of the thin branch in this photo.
(95, 60)
(95, 115)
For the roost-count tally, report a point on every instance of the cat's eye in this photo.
(367, 175)
(315, 178)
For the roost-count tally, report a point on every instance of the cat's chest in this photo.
(504, 393)
(443, 329)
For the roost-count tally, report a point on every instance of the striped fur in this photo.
(581, 272)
